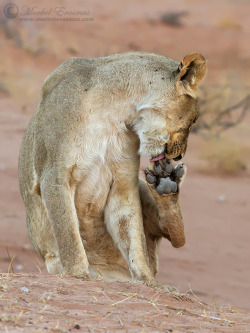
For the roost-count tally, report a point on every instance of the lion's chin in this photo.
(158, 157)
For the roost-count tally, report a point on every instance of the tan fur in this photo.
(87, 211)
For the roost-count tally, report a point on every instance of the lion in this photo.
(88, 213)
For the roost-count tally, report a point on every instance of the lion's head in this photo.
(163, 125)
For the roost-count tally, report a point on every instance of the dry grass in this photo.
(224, 156)
(74, 50)
(222, 107)
(228, 22)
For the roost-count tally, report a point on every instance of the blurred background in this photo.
(35, 37)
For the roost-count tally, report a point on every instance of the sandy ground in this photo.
(53, 303)
(214, 263)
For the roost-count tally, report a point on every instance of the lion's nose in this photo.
(178, 158)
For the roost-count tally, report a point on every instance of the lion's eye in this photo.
(179, 129)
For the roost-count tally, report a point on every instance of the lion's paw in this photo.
(164, 177)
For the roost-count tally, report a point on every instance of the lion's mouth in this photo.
(177, 158)
(158, 157)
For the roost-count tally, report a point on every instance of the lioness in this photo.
(87, 210)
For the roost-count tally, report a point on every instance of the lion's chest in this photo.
(97, 163)
(97, 158)
(92, 190)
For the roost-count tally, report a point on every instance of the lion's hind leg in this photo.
(40, 232)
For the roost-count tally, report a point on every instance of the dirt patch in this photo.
(32, 303)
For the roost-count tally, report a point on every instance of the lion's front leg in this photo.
(123, 218)
(152, 229)
(164, 183)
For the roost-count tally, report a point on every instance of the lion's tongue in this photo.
(157, 158)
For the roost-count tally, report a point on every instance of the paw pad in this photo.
(164, 177)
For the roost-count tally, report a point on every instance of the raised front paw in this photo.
(164, 177)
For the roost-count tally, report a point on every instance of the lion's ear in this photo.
(190, 72)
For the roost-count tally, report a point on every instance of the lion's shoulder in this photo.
(71, 68)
